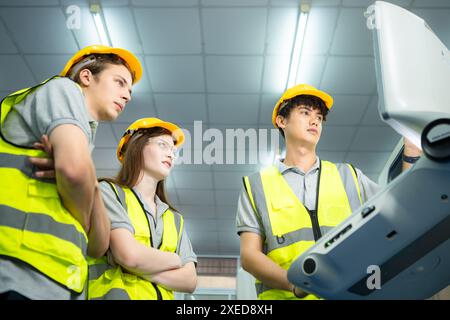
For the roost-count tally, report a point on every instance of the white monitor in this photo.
(413, 70)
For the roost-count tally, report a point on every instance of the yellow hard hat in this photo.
(145, 123)
(126, 55)
(297, 91)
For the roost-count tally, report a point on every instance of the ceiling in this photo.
(225, 63)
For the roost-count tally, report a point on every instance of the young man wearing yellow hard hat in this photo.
(51, 219)
(285, 208)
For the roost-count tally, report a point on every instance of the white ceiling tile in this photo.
(46, 66)
(311, 69)
(325, 3)
(336, 138)
(172, 197)
(439, 22)
(352, 35)
(143, 85)
(105, 159)
(281, 30)
(87, 34)
(195, 212)
(193, 179)
(372, 116)
(225, 108)
(276, 74)
(349, 76)
(165, 3)
(233, 74)
(31, 28)
(375, 139)
(111, 3)
(199, 243)
(226, 198)
(103, 173)
(336, 157)
(249, 168)
(176, 73)
(366, 3)
(285, 3)
(14, 73)
(319, 30)
(173, 31)
(347, 110)
(196, 197)
(105, 137)
(432, 3)
(267, 104)
(140, 106)
(181, 108)
(228, 180)
(192, 165)
(368, 161)
(220, 27)
(226, 212)
(122, 30)
(227, 226)
(234, 2)
(29, 3)
(169, 183)
(7, 44)
(199, 225)
(120, 128)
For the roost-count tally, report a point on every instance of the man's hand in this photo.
(410, 149)
(45, 166)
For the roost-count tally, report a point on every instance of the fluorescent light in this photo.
(101, 28)
(297, 51)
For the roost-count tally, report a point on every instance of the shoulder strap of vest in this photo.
(118, 191)
(355, 178)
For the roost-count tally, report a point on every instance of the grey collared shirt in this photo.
(304, 186)
(120, 219)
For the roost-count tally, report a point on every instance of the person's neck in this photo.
(89, 103)
(147, 188)
(301, 157)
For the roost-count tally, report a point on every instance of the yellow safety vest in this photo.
(289, 227)
(34, 225)
(114, 283)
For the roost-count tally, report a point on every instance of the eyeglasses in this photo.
(164, 146)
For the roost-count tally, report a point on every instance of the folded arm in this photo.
(138, 258)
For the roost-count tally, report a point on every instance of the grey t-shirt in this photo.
(120, 219)
(59, 101)
(304, 185)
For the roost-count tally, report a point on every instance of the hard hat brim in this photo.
(132, 61)
(327, 99)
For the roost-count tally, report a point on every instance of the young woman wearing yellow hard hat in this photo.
(150, 253)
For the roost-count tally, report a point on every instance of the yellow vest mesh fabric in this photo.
(30, 205)
(133, 286)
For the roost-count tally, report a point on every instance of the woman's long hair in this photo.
(133, 162)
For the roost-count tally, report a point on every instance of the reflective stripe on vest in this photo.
(34, 226)
(287, 223)
(107, 282)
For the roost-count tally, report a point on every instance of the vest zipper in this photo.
(158, 293)
(314, 214)
(315, 224)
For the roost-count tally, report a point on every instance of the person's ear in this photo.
(86, 77)
(281, 122)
